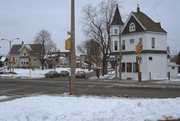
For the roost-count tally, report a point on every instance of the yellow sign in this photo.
(68, 44)
(11, 62)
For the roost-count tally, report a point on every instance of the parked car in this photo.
(52, 74)
(64, 73)
(80, 74)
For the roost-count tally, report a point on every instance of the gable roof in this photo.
(33, 48)
(117, 18)
(148, 23)
(144, 21)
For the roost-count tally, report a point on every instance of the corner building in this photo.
(139, 28)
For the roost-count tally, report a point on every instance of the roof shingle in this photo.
(148, 23)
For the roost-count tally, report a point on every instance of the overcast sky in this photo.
(24, 18)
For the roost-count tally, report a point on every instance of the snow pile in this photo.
(3, 97)
(65, 108)
(109, 75)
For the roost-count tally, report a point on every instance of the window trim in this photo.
(150, 58)
(116, 31)
(123, 45)
(131, 41)
(123, 67)
(115, 45)
(129, 70)
(132, 27)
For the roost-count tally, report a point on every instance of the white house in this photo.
(139, 28)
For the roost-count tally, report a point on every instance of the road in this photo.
(29, 87)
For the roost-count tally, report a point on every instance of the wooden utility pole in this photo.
(120, 53)
(72, 88)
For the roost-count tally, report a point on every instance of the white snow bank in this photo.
(37, 73)
(65, 108)
(3, 97)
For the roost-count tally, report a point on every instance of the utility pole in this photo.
(120, 52)
(72, 87)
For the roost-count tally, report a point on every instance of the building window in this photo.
(34, 59)
(115, 31)
(129, 67)
(132, 27)
(25, 52)
(131, 40)
(123, 45)
(150, 58)
(115, 45)
(135, 67)
(153, 42)
(173, 67)
(140, 41)
(123, 66)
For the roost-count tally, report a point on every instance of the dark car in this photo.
(80, 74)
(64, 73)
(52, 74)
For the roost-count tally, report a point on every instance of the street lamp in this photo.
(10, 41)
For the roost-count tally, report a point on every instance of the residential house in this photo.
(139, 28)
(26, 55)
(57, 59)
(52, 60)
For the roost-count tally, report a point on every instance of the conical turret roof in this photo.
(117, 18)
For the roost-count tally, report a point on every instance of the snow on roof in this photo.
(3, 59)
(27, 46)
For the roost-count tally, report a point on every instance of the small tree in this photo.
(90, 48)
(44, 37)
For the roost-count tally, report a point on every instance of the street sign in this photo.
(111, 59)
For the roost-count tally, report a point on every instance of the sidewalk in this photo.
(145, 84)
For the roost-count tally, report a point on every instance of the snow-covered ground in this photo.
(3, 97)
(37, 73)
(69, 108)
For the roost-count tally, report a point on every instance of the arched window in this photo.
(132, 27)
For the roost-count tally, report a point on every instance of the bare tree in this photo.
(81, 48)
(97, 21)
(90, 48)
(44, 37)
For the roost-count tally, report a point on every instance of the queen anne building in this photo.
(139, 28)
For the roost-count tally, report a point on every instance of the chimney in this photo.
(138, 8)
(159, 24)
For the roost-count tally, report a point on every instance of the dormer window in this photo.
(132, 27)
(25, 52)
(115, 31)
